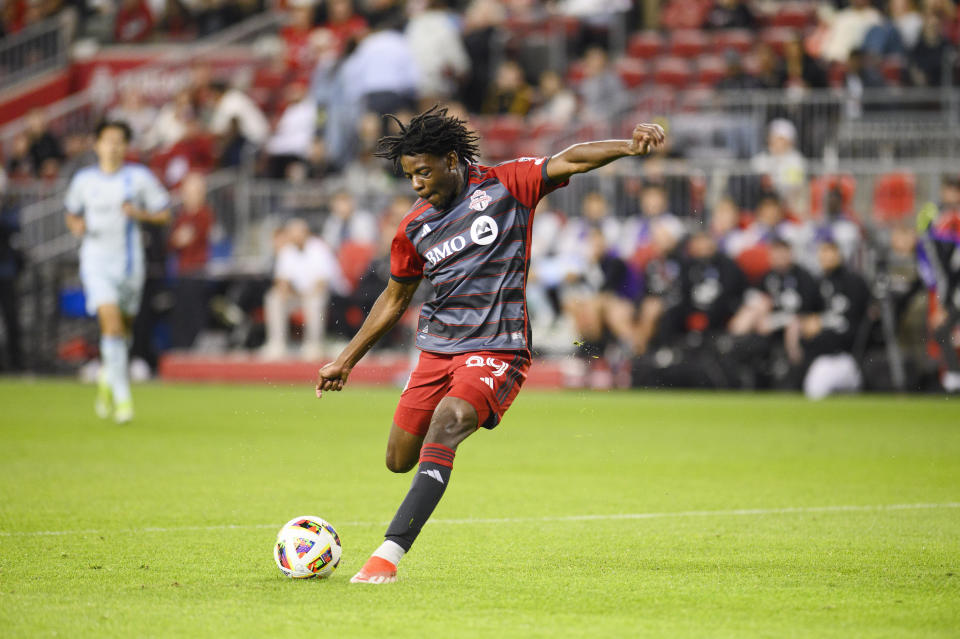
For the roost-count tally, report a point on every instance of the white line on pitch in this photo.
(519, 520)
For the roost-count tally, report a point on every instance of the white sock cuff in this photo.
(391, 551)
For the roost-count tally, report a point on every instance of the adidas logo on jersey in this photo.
(433, 473)
(425, 231)
(488, 381)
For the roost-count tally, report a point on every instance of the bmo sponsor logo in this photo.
(445, 250)
(483, 231)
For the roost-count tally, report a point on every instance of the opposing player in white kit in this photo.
(105, 203)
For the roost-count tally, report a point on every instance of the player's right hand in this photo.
(76, 225)
(332, 377)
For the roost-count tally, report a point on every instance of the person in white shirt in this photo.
(105, 203)
(295, 132)
(438, 49)
(233, 103)
(346, 223)
(848, 30)
(305, 273)
(382, 73)
(783, 165)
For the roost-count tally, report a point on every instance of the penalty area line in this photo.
(741, 512)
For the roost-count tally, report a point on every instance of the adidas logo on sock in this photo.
(433, 473)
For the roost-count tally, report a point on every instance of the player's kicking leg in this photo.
(453, 421)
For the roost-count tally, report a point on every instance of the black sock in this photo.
(433, 475)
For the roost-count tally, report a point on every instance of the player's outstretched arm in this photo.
(386, 312)
(588, 156)
(147, 217)
(75, 224)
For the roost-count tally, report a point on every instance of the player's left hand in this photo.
(647, 137)
(131, 211)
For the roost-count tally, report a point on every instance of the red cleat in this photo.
(377, 570)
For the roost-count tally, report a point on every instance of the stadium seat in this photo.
(354, 258)
(632, 71)
(685, 14)
(740, 40)
(892, 69)
(793, 14)
(818, 192)
(688, 43)
(710, 68)
(672, 71)
(645, 45)
(754, 261)
(894, 196)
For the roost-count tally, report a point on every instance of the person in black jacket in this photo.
(826, 340)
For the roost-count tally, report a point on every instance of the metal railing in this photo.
(36, 49)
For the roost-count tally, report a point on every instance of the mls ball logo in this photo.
(483, 231)
(479, 201)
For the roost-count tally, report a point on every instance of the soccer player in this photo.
(469, 234)
(105, 203)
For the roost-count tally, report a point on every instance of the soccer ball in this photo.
(307, 547)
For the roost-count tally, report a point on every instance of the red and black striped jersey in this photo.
(476, 255)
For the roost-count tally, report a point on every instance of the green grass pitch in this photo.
(583, 515)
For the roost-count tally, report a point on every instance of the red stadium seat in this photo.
(894, 196)
(354, 259)
(777, 37)
(740, 40)
(689, 43)
(685, 14)
(754, 261)
(672, 72)
(575, 72)
(645, 45)
(818, 192)
(793, 14)
(710, 68)
(633, 72)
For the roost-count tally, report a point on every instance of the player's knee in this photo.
(453, 422)
(397, 463)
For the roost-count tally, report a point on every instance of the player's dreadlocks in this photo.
(434, 132)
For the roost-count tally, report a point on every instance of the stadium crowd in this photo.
(660, 286)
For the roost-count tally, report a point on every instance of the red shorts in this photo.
(488, 380)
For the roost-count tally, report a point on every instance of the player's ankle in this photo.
(390, 551)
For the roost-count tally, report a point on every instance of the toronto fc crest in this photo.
(479, 201)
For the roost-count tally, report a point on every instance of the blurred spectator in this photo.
(305, 274)
(826, 340)
(296, 36)
(782, 165)
(137, 113)
(345, 224)
(601, 89)
(786, 292)
(294, 134)
(365, 173)
(861, 74)
(555, 104)
(735, 76)
(190, 246)
(234, 147)
(907, 21)
(480, 35)
(767, 66)
(750, 246)
(509, 94)
(713, 285)
(382, 72)
(193, 152)
(232, 103)
(636, 242)
(46, 154)
(175, 20)
(848, 29)
(345, 24)
(78, 148)
(11, 263)
(662, 310)
(730, 14)
(839, 226)
(595, 213)
(133, 22)
(171, 123)
(801, 69)
(438, 50)
(19, 163)
(926, 58)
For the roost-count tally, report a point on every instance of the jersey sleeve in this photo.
(73, 200)
(406, 265)
(155, 197)
(526, 179)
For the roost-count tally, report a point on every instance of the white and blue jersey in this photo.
(111, 253)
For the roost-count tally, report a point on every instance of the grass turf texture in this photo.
(168, 523)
